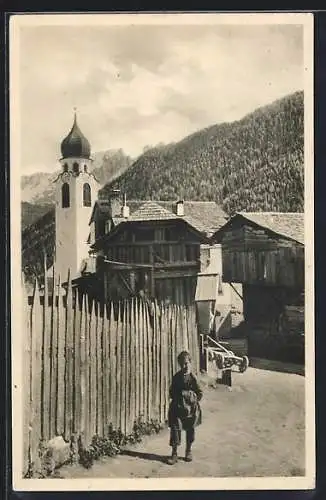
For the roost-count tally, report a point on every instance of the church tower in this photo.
(75, 193)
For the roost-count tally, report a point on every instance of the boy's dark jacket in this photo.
(185, 393)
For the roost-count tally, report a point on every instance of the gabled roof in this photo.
(205, 216)
(289, 225)
(151, 211)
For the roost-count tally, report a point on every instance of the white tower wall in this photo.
(72, 223)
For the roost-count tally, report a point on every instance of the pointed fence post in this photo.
(46, 359)
(36, 333)
(137, 359)
(103, 373)
(141, 366)
(92, 369)
(83, 374)
(153, 359)
(133, 373)
(26, 380)
(123, 382)
(54, 357)
(148, 360)
(111, 365)
(168, 358)
(77, 331)
(106, 372)
(163, 361)
(156, 358)
(127, 364)
(99, 370)
(118, 374)
(60, 362)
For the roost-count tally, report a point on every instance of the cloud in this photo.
(140, 85)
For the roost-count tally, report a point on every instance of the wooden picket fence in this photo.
(86, 367)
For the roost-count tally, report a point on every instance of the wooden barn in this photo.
(265, 253)
(150, 248)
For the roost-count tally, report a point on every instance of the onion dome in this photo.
(75, 145)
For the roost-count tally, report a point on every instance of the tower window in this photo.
(87, 199)
(65, 167)
(85, 168)
(75, 168)
(65, 195)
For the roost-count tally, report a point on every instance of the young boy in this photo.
(184, 411)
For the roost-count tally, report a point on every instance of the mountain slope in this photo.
(255, 164)
(31, 213)
(108, 165)
(39, 188)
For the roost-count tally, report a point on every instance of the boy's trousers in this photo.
(175, 435)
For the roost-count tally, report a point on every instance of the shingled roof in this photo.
(151, 211)
(205, 216)
(290, 224)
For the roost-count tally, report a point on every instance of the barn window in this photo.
(75, 168)
(65, 167)
(87, 199)
(65, 195)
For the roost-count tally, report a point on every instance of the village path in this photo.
(254, 429)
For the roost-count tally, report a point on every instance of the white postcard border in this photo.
(122, 484)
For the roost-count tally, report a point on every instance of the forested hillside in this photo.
(254, 164)
(31, 213)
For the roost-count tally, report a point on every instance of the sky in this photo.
(140, 85)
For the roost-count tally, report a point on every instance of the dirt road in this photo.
(255, 429)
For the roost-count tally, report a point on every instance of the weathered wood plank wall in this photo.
(251, 255)
(281, 267)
